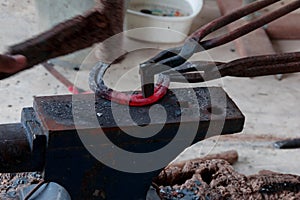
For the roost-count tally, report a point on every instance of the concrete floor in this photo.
(270, 106)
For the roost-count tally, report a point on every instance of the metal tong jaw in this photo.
(177, 57)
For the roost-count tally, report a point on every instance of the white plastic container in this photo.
(166, 29)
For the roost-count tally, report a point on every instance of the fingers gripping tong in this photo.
(172, 63)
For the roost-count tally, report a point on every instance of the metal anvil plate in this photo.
(74, 123)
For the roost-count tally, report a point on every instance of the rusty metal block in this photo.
(61, 121)
(69, 163)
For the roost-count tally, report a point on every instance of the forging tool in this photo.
(173, 65)
(173, 62)
(79, 32)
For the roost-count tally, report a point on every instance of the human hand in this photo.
(12, 64)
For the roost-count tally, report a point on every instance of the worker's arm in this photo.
(12, 64)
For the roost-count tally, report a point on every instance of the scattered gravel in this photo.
(10, 183)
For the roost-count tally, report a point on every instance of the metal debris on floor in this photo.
(11, 183)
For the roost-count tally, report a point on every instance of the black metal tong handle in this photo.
(201, 71)
(177, 56)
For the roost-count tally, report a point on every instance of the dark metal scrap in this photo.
(288, 144)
